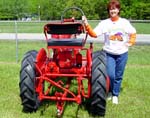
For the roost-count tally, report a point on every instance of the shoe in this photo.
(109, 96)
(115, 100)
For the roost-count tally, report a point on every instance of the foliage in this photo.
(52, 9)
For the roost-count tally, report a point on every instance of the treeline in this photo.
(52, 9)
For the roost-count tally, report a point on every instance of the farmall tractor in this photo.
(50, 74)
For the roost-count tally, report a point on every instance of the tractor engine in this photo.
(68, 59)
(51, 67)
(65, 59)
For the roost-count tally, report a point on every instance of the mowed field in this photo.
(134, 99)
(37, 27)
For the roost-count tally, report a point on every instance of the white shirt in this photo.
(115, 35)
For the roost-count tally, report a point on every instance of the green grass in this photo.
(22, 27)
(134, 100)
(142, 28)
(8, 49)
(37, 27)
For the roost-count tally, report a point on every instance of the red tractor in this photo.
(50, 74)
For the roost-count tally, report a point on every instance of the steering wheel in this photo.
(70, 8)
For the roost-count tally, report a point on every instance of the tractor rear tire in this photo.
(28, 95)
(99, 85)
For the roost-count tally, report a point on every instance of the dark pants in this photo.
(115, 69)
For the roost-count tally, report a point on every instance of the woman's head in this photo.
(113, 8)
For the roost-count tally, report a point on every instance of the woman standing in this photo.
(115, 30)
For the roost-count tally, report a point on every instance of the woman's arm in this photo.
(132, 38)
(88, 27)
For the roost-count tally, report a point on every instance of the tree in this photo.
(52, 9)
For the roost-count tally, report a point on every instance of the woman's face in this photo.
(113, 12)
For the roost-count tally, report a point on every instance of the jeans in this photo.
(115, 69)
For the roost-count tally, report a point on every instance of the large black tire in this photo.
(99, 89)
(28, 95)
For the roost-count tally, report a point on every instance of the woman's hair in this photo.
(113, 4)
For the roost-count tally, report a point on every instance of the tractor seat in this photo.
(66, 42)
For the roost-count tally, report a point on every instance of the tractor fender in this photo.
(41, 57)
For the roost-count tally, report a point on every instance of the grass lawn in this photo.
(37, 27)
(134, 100)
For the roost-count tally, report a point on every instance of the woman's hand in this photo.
(128, 44)
(84, 19)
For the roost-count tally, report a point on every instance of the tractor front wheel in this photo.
(28, 95)
(99, 84)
